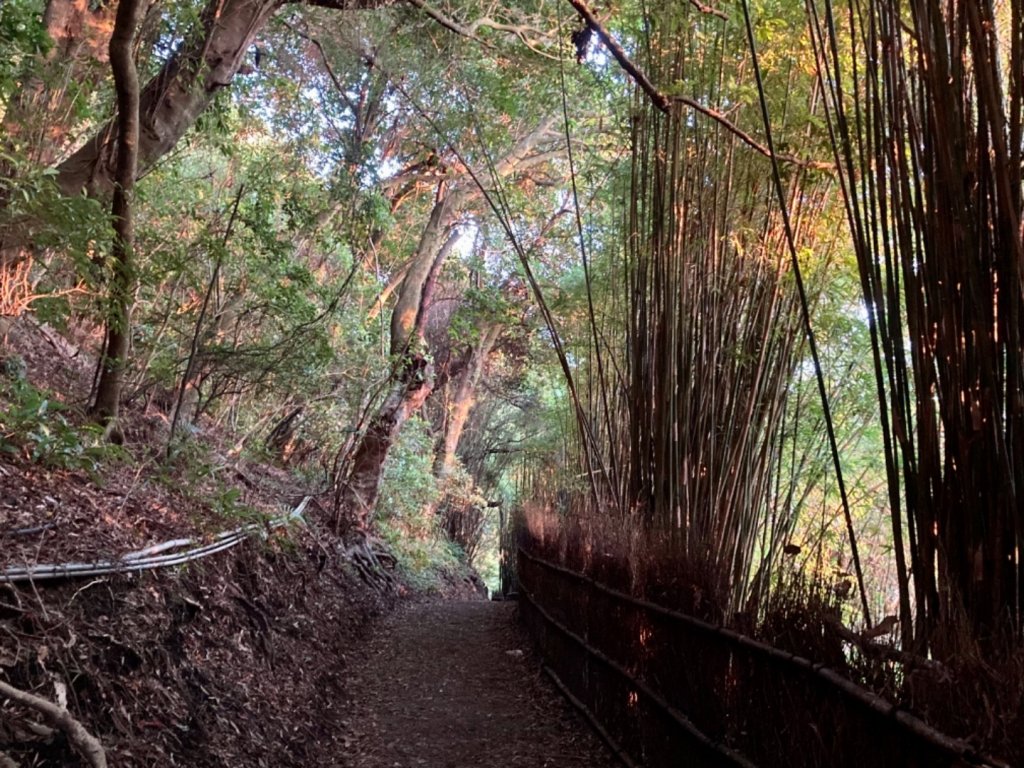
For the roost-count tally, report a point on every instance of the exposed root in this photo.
(366, 559)
(87, 745)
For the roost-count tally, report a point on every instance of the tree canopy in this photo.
(742, 281)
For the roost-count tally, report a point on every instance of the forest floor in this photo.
(454, 685)
(244, 658)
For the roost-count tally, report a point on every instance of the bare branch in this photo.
(87, 745)
(709, 10)
(664, 103)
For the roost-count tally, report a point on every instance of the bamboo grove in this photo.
(713, 329)
(905, 120)
(690, 431)
(924, 104)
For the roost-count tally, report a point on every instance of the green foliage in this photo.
(39, 213)
(408, 484)
(22, 35)
(33, 425)
(226, 503)
(405, 514)
(191, 469)
(272, 324)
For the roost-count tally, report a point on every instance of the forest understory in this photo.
(241, 658)
(708, 317)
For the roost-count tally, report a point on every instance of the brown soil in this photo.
(238, 660)
(130, 499)
(454, 685)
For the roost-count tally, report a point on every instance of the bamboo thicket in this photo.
(713, 335)
(924, 104)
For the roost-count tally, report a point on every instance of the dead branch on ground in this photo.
(87, 745)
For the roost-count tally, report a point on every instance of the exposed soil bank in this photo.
(239, 660)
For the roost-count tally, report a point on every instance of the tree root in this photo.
(367, 563)
(87, 745)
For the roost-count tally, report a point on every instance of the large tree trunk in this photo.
(414, 372)
(126, 82)
(462, 522)
(463, 400)
(173, 100)
(410, 305)
(357, 495)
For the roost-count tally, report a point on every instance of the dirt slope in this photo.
(453, 685)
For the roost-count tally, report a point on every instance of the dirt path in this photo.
(452, 685)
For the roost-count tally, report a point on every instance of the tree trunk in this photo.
(126, 82)
(410, 305)
(414, 372)
(173, 100)
(461, 522)
(357, 495)
(463, 400)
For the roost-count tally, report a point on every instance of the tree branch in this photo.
(664, 103)
(450, 24)
(709, 10)
(315, 42)
(658, 99)
(87, 745)
(521, 31)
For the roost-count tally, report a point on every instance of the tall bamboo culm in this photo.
(713, 335)
(924, 103)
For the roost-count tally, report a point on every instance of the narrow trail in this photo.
(453, 685)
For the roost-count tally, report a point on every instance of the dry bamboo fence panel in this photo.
(671, 689)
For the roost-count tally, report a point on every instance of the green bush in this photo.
(406, 518)
(33, 425)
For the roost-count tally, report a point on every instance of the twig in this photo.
(87, 745)
(32, 530)
(194, 350)
(80, 590)
(870, 648)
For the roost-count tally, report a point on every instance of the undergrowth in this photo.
(35, 426)
(406, 517)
